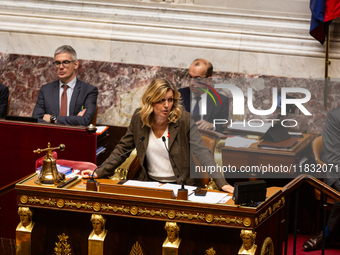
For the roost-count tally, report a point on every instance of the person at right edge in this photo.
(331, 144)
(161, 120)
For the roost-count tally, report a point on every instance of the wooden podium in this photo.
(18, 140)
(136, 223)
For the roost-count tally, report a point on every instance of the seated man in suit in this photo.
(66, 101)
(3, 101)
(331, 143)
(200, 73)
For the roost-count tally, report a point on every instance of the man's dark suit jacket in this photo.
(84, 94)
(3, 100)
(184, 137)
(213, 112)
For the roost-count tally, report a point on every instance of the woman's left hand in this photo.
(228, 188)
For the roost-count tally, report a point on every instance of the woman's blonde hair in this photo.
(155, 92)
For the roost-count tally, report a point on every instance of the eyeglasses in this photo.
(65, 63)
(196, 79)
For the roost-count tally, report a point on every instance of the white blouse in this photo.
(158, 160)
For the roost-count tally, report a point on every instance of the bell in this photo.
(49, 173)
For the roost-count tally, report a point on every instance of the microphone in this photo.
(182, 192)
(92, 183)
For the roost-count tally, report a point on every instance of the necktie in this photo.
(196, 111)
(63, 101)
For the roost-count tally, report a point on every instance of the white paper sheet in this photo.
(142, 184)
(210, 197)
(238, 142)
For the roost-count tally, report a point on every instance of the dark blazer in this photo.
(83, 94)
(183, 137)
(213, 112)
(3, 100)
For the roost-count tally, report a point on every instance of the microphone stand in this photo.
(182, 192)
(91, 184)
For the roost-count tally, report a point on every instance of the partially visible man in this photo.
(331, 144)
(67, 101)
(3, 101)
(200, 75)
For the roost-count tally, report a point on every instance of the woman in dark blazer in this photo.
(161, 115)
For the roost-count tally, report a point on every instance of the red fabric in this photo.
(332, 10)
(63, 102)
(76, 165)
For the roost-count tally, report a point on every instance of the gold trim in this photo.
(283, 200)
(246, 222)
(62, 248)
(24, 199)
(256, 221)
(228, 220)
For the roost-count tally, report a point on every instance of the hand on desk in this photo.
(203, 124)
(86, 174)
(228, 188)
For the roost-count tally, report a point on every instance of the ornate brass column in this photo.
(97, 236)
(23, 231)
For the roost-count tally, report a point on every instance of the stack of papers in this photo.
(238, 142)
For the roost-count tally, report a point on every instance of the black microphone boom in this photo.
(140, 140)
(163, 138)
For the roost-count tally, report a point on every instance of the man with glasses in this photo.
(194, 96)
(67, 101)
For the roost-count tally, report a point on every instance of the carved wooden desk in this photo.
(138, 222)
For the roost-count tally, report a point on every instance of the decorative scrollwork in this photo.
(228, 220)
(42, 201)
(62, 248)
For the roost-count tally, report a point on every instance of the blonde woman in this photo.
(161, 115)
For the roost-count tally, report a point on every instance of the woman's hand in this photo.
(228, 188)
(86, 174)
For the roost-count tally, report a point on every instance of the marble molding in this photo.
(122, 85)
(273, 41)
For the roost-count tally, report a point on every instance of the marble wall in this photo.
(122, 85)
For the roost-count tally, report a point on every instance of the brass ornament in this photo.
(283, 200)
(60, 203)
(171, 214)
(62, 248)
(246, 222)
(210, 251)
(96, 207)
(23, 199)
(172, 241)
(23, 238)
(136, 249)
(209, 218)
(228, 220)
(267, 247)
(256, 221)
(134, 210)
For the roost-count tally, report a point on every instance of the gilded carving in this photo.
(35, 200)
(171, 214)
(23, 231)
(277, 205)
(228, 220)
(26, 224)
(267, 247)
(248, 242)
(209, 218)
(283, 200)
(96, 207)
(246, 222)
(24, 199)
(172, 241)
(62, 248)
(98, 224)
(136, 249)
(256, 221)
(134, 210)
(60, 203)
(263, 215)
(210, 251)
